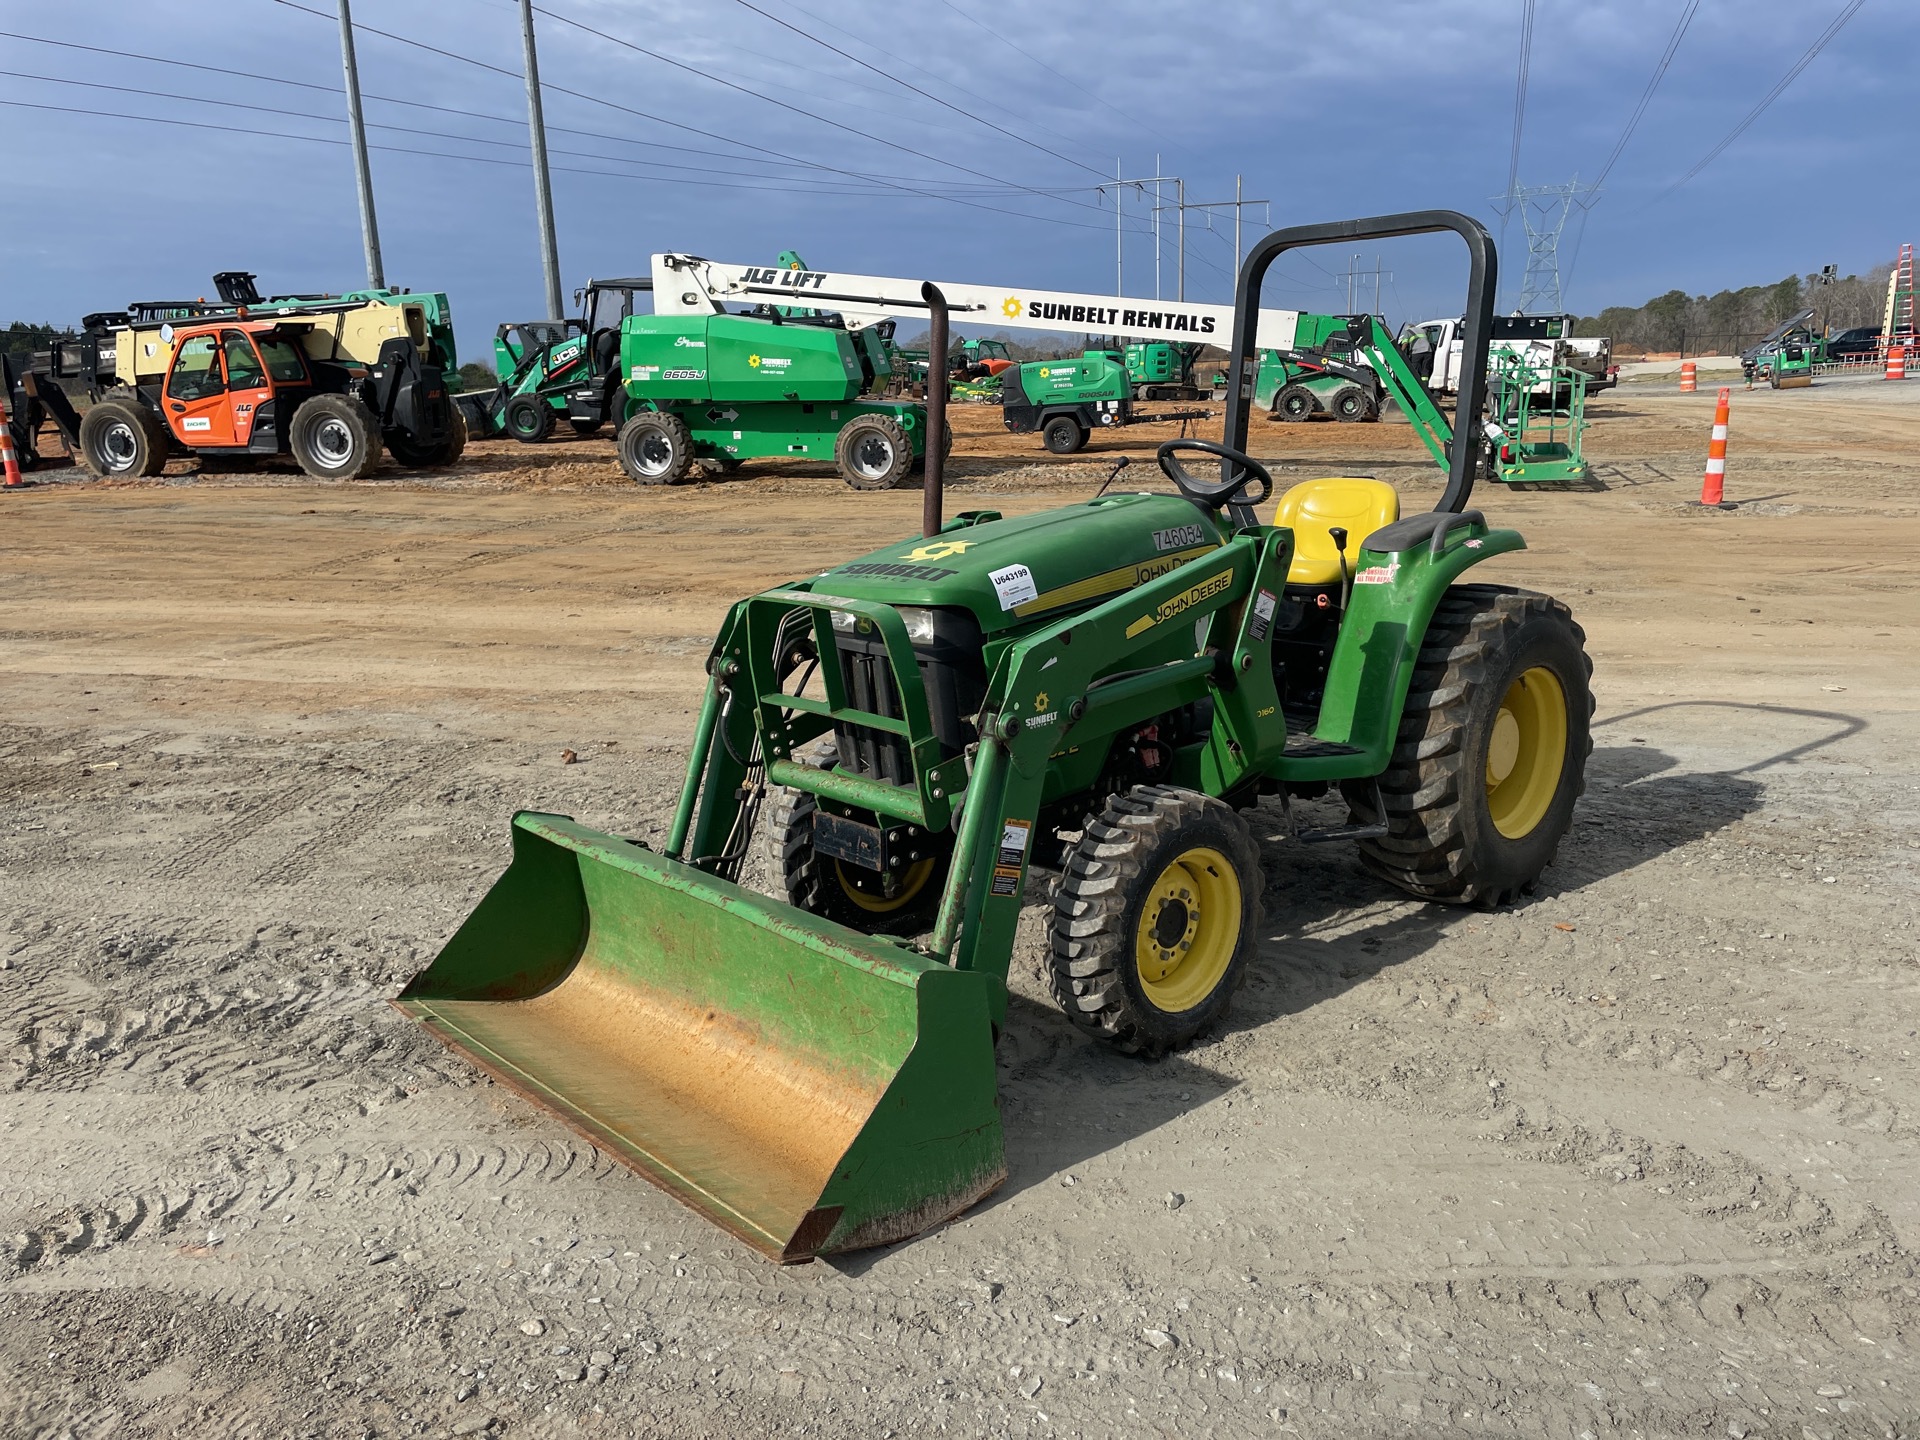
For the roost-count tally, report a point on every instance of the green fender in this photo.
(1393, 600)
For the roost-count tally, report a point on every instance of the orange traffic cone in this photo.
(9, 462)
(1689, 373)
(1897, 362)
(1712, 487)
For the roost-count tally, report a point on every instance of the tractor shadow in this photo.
(1331, 925)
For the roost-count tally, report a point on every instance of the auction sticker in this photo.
(1014, 585)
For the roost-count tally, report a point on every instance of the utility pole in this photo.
(1237, 204)
(542, 185)
(1139, 183)
(1156, 227)
(369, 226)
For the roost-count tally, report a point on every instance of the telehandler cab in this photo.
(1100, 690)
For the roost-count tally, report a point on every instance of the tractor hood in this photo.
(1009, 571)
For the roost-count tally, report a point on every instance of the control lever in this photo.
(1339, 537)
(1113, 474)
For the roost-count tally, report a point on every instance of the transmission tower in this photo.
(1543, 210)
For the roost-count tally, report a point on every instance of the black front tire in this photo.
(121, 437)
(1352, 405)
(872, 452)
(431, 457)
(1163, 880)
(334, 437)
(655, 448)
(1063, 435)
(820, 886)
(529, 419)
(1491, 754)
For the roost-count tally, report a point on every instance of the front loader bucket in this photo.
(810, 1088)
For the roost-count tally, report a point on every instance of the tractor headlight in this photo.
(919, 624)
(843, 621)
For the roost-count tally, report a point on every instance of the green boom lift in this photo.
(1100, 690)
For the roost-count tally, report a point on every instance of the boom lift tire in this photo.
(123, 437)
(1491, 754)
(529, 419)
(1063, 435)
(872, 452)
(1351, 404)
(430, 457)
(1294, 403)
(1155, 918)
(827, 887)
(655, 448)
(334, 437)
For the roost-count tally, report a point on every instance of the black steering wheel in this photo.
(1216, 493)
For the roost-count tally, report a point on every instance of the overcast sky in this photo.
(1328, 110)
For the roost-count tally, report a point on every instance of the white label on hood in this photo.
(1014, 585)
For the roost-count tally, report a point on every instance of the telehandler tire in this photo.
(1155, 918)
(872, 452)
(840, 892)
(430, 457)
(528, 419)
(123, 437)
(655, 448)
(334, 437)
(1294, 403)
(1063, 435)
(1491, 754)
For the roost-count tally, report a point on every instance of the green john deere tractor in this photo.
(1100, 691)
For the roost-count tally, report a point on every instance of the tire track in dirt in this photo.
(208, 847)
(408, 547)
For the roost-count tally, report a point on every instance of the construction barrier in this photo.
(9, 462)
(1897, 362)
(1689, 377)
(1712, 488)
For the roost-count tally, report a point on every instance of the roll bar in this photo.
(1482, 275)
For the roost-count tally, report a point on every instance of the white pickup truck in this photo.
(1544, 340)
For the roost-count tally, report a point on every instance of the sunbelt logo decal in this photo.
(768, 362)
(1119, 317)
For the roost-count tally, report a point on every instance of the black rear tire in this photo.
(1352, 405)
(872, 452)
(334, 437)
(1492, 658)
(655, 448)
(529, 419)
(853, 896)
(1063, 435)
(120, 437)
(1155, 918)
(1294, 403)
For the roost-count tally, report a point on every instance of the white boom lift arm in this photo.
(690, 285)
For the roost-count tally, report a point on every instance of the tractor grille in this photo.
(955, 678)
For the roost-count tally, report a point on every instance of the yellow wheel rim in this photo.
(1526, 752)
(912, 883)
(1189, 929)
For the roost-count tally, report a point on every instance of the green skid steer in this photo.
(1099, 690)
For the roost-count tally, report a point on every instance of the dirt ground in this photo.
(1641, 1157)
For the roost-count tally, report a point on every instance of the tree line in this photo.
(1733, 319)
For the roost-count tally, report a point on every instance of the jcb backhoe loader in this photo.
(1099, 690)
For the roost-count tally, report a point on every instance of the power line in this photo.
(944, 104)
(712, 135)
(1646, 96)
(1029, 56)
(1521, 72)
(1834, 27)
(770, 100)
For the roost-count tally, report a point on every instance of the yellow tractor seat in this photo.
(1313, 507)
